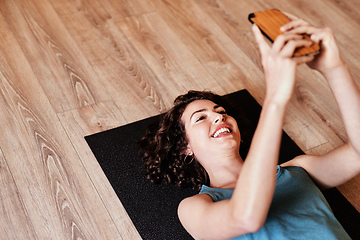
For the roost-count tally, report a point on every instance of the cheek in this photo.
(190, 139)
(238, 136)
(196, 139)
(236, 127)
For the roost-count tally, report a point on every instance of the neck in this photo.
(224, 173)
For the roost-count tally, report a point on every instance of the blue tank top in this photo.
(298, 210)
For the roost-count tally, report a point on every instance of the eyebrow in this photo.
(203, 110)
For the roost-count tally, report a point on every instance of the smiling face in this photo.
(210, 131)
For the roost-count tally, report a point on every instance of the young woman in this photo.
(197, 144)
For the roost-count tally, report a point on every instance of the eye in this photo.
(200, 118)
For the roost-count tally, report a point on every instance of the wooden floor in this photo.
(73, 68)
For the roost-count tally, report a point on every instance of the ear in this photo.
(188, 150)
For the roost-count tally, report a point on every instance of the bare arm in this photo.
(247, 210)
(347, 96)
(343, 163)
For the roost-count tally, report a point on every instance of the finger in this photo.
(316, 34)
(262, 43)
(294, 24)
(281, 40)
(304, 59)
(305, 29)
(290, 47)
(290, 16)
(322, 35)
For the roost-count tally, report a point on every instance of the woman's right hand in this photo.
(279, 64)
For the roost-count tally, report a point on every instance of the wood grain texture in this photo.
(163, 50)
(89, 120)
(12, 211)
(124, 73)
(73, 68)
(125, 8)
(206, 40)
(54, 187)
(63, 72)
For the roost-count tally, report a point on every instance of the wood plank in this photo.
(215, 50)
(56, 190)
(163, 51)
(126, 76)
(12, 211)
(61, 68)
(126, 8)
(321, 149)
(89, 120)
(351, 191)
(347, 8)
(94, 118)
(231, 17)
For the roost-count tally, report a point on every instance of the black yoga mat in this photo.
(153, 208)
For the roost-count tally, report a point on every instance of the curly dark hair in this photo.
(163, 147)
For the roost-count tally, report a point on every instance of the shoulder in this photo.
(194, 203)
(192, 209)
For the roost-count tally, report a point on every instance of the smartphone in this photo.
(270, 21)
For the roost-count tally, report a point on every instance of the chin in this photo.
(231, 144)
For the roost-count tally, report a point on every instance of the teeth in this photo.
(221, 130)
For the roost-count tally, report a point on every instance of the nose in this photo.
(219, 118)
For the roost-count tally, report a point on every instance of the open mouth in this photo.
(221, 131)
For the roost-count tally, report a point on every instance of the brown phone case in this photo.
(270, 21)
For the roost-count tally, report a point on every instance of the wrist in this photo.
(274, 104)
(335, 72)
(277, 99)
(341, 66)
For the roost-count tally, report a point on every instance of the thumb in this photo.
(260, 39)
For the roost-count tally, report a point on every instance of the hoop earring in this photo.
(186, 160)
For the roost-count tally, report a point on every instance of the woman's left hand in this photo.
(329, 56)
